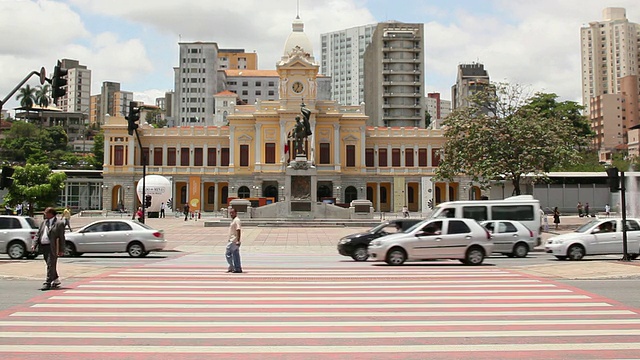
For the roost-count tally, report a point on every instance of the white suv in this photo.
(462, 239)
(17, 236)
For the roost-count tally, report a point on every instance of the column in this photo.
(232, 146)
(336, 146)
(164, 154)
(389, 158)
(216, 197)
(363, 148)
(283, 141)
(429, 160)
(402, 156)
(205, 155)
(376, 159)
(258, 142)
(192, 156)
(378, 197)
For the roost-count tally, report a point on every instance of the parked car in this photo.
(462, 239)
(510, 238)
(111, 236)
(597, 237)
(355, 245)
(17, 235)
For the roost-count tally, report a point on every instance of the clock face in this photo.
(297, 87)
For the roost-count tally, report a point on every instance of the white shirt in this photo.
(233, 227)
(45, 234)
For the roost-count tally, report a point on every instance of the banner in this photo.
(194, 193)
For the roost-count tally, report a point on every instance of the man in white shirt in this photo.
(162, 210)
(51, 241)
(233, 246)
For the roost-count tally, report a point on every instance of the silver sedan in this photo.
(112, 236)
(510, 238)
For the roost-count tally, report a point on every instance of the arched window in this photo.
(370, 193)
(350, 194)
(225, 194)
(271, 191)
(410, 195)
(452, 194)
(324, 191)
(438, 195)
(244, 192)
(211, 194)
(183, 195)
(383, 195)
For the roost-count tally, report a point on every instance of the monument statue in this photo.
(302, 129)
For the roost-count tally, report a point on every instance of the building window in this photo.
(244, 155)
(211, 157)
(245, 83)
(144, 156)
(244, 192)
(271, 93)
(382, 157)
(197, 157)
(408, 158)
(351, 155)
(435, 157)
(224, 157)
(369, 158)
(225, 195)
(184, 156)
(118, 155)
(157, 156)
(171, 157)
(258, 92)
(422, 157)
(395, 157)
(211, 194)
(269, 153)
(258, 83)
(325, 153)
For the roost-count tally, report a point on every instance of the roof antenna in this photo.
(298, 10)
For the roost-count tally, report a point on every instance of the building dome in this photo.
(298, 38)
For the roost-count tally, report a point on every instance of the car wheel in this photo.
(520, 250)
(16, 250)
(561, 257)
(396, 256)
(360, 254)
(575, 252)
(474, 256)
(69, 249)
(135, 249)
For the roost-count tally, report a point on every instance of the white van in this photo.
(522, 208)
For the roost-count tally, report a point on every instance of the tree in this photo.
(35, 184)
(154, 118)
(42, 95)
(27, 97)
(500, 135)
(427, 119)
(98, 151)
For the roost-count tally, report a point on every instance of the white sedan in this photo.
(597, 237)
(111, 236)
(510, 238)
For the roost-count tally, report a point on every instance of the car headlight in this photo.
(376, 243)
(345, 241)
(557, 241)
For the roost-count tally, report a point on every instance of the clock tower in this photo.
(298, 70)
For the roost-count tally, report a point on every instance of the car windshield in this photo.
(414, 227)
(379, 227)
(31, 222)
(587, 226)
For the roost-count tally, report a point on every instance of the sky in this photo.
(135, 42)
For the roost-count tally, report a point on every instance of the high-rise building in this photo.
(237, 59)
(610, 51)
(394, 75)
(78, 96)
(196, 82)
(111, 101)
(343, 61)
(437, 108)
(471, 78)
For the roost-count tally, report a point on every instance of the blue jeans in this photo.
(233, 256)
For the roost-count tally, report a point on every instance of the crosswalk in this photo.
(169, 311)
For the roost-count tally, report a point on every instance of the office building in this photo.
(437, 108)
(471, 78)
(78, 96)
(110, 102)
(394, 75)
(343, 61)
(237, 59)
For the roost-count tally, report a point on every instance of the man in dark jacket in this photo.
(50, 241)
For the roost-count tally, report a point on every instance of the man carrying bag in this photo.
(50, 242)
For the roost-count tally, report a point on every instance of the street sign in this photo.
(43, 76)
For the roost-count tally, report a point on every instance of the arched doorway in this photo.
(271, 191)
(370, 193)
(350, 194)
(117, 198)
(244, 192)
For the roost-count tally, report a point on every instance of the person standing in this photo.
(579, 209)
(66, 215)
(185, 209)
(50, 241)
(233, 246)
(586, 210)
(405, 211)
(607, 210)
(556, 217)
(19, 209)
(139, 214)
(162, 210)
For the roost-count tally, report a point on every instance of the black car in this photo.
(355, 245)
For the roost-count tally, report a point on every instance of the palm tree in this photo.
(42, 95)
(27, 98)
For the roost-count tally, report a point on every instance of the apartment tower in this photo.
(78, 96)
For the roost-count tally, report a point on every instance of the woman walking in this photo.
(556, 217)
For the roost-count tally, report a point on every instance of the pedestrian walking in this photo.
(19, 209)
(607, 210)
(66, 215)
(579, 209)
(185, 209)
(586, 209)
(556, 217)
(405, 211)
(50, 242)
(233, 246)
(162, 210)
(139, 214)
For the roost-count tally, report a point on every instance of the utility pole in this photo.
(43, 79)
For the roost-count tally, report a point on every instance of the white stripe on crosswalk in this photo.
(330, 285)
(306, 275)
(217, 297)
(394, 306)
(235, 324)
(222, 290)
(453, 282)
(148, 314)
(329, 349)
(322, 335)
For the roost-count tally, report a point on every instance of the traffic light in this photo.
(58, 82)
(132, 117)
(5, 179)
(147, 201)
(613, 180)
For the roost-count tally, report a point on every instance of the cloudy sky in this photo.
(134, 42)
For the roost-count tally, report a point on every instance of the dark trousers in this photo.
(51, 258)
(67, 224)
(161, 213)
